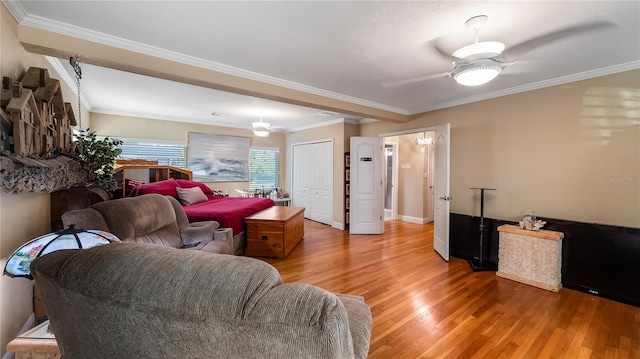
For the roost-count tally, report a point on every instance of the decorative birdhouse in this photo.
(6, 133)
(25, 115)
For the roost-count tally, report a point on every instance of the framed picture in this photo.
(215, 158)
(347, 161)
(348, 189)
(347, 176)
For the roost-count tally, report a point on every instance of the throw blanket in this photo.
(229, 212)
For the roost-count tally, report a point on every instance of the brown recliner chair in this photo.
(151, 218)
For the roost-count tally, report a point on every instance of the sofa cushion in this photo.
(359, 323)
(190, 184)
(144, 219)
(198, 232)
(181, 217)
(189, 196)
(166, 188)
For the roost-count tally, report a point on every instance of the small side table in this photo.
(283, 201)
(531, 257)
(35, 343)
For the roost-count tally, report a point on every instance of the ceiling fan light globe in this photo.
(261, 129)
(485, 48)
(478, 75)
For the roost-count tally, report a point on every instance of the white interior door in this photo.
(430, 180)
(301, 179)
(321, 182)
(366, 190)
(312, 180)
(442, 197)
(390, 181)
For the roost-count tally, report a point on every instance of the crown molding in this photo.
(610, 70)
(45, 24)
(352, 121)
(366, 120)
(197, 121)
(319, 124)
(15, 9)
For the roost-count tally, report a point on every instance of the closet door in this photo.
(312, 180)
(301, 176)
(322, 182)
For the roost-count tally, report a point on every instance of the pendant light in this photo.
(261, 129)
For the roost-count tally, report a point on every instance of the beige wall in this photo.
(25, 216)
(134, 127)
(411, 187)
(568, 152)
(350, 130)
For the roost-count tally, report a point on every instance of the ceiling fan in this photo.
(481, 62)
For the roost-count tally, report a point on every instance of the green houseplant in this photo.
(100, 155)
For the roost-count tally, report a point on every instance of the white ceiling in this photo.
(339, 49)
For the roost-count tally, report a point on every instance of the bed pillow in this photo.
(165, 188)
(190, 184)
(189, 196)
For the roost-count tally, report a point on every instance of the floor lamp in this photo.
(478, 265)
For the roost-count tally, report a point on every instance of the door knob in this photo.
(445, 198)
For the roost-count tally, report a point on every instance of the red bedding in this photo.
(228, 211)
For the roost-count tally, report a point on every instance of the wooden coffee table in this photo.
(36, 343)
(274, 232)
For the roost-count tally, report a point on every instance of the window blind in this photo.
(264, 168)
(167, 154)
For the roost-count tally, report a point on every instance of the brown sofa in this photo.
(153, 219)
(143, 301)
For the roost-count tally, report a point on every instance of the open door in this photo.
(442, 198)
(366, 192)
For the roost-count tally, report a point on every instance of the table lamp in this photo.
(18, 264)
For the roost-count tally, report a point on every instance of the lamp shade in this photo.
(18, 264)
(477, 72)
(479, 75)
(486, 49)
(261, 129)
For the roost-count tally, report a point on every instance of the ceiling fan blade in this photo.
(434, 44)
(412, 80)
(517, 50)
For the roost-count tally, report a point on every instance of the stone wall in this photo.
(25, 175)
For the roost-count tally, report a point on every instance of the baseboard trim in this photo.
(416, 220)
(337, 225)
(27, 325)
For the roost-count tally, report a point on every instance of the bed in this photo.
(229, 212)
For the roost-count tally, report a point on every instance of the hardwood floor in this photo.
(424, 307)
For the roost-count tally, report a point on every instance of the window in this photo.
(167, 153)
(264, 167)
